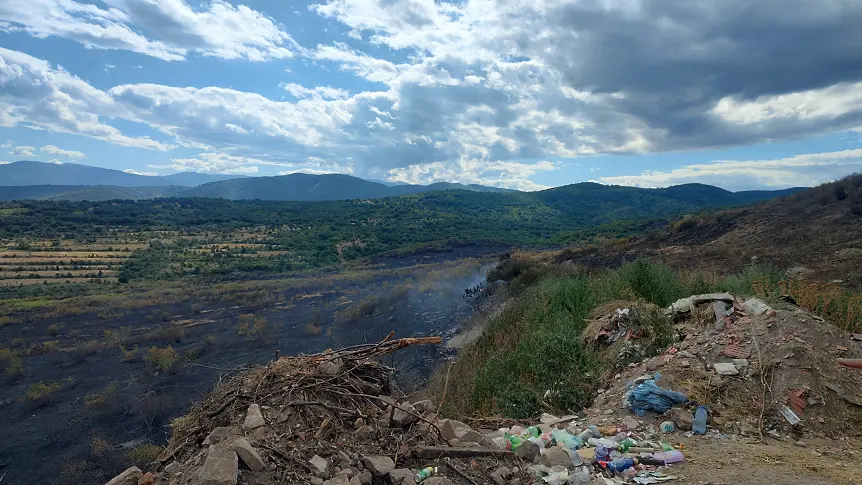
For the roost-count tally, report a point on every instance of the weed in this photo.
(128, 355)
(42, 393)
(11, 364)
(145, 454)
(44, 348)
(106, 400)
(119, 336)
(312, 330)
(211, 340)
(54, 330)
(164, 359)
(367, 306)
(73, 470)
(250, 325)
(99, 448)
(84, 349)
(192, 354)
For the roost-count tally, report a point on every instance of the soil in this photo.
(39, 436)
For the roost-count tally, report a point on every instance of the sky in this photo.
(525, 94)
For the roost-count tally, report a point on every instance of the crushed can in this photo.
(425, 473)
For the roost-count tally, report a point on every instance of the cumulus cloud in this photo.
(166, 29)
(135, 172)
(23, 151)
(796, 171)
(52, 150)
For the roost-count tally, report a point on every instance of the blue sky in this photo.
(513, 93)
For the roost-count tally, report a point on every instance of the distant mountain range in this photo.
(47, 181)
(38, 173)
(70, 181)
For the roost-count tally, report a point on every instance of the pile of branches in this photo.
(310, 402)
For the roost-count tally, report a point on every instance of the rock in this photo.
(546, 418)
(173, 468)
(320, 464)
(379, 466)
(555, 457)
(684, 363)
(725, 369)
(438, 481)
(253, 417)
(401, 475)
(147, 479)
(330, 367)
(681, 418)
(747, 429)
(344, 458)
(365, 477)
(338, 480)
(404, 415)
(740, 363)
(129, 477)
(755, 307)
(358, 423)
(316, 481)
(500, 475)
(247, 454)
(424, 406)
(631, 423)
(528, 451)
(363, 432)
(451, 429)
(684, 354)
(220, 467)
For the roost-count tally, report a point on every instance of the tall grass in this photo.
(532, 357)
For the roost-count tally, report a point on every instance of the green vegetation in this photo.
(164, 359)
(11, 365)
(42, 392)
(145, 454)
(532, 356)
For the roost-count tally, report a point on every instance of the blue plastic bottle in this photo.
(620, 464)
(700, 417)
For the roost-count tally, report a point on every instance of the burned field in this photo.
(91, 383)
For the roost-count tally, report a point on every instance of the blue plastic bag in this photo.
(647, 396)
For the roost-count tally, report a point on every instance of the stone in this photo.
(438, 481)
(173, 468)
(451, 429)
(217, 435)
(147, 479)
(338, 480)
(253, 417)
(220, 467)
(500, 475)
(555, 457)
(740, 363)
(355, 480)
(365, 477)
(363, 432)
(330, 367)
(401, 476)
(320, 464)
(725, 369)
(379, 465)
(344, 458)
(424, 406)
(316, 481)
(631, 423)
(404, 415)
(546, 418)
(248, 454)
(358, 423)
(528, 451)
(747, 429)
(129, 477)
(681, 418)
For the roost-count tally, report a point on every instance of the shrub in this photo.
(312, 330)
(509, 269)
(211, 340)
(84, 349)
(11, 364)
(43, 348)
(118, 336)
(107, 399)
(130, 354)
(250, 325)
(144, 454)
(165, 359)
(654, 282)
(54, 330)
(41, 393)
(367, 306)
(73, 470)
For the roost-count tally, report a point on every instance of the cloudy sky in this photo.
(517, 93)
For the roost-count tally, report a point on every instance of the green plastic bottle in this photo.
(515, 442)
(534, 431)
(626, 444)
(425, 473)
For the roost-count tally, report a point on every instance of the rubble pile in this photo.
(739, 370)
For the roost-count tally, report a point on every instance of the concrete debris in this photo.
(725, 368)
(754, 307)
(451, 429)
(681, 418)
(253, 417)
(555, 457)
(129, 476)
(173, 468)
(338, 480)
(320, 464)
(404, 415)
(248, 454)
(220, 468)
(217, 435)
(528, 451)
(401, 475)
(424, 406)
(379, 466)
(685, 305)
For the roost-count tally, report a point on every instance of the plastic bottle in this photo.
(425, 473)
(700, 417)
(534, 431)
(668, 457)
(515, 441)
(619, 465)
(591, 432)
(566, 440)
(627, 444)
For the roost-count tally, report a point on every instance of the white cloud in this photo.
(55, 161)
(513, 175)
(38, 96)
(324, 92)
(796, 171)
(135, 172)
(166, 29)
(52, 150)
(23, 151)
(8, 144)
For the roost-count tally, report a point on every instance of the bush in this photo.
(164, 359)
(44, 348)
(509, 269)
(106, 400)
(54, 330)
(144, 455)
(42, 393)
(11, 364)
(250, 325)
(654, 282)
(128, 355)
(84, 349)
